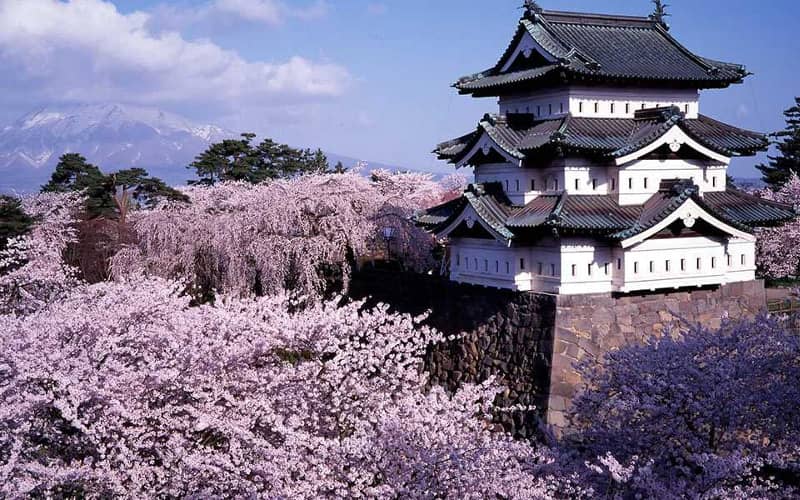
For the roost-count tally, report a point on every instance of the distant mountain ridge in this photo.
(112, 136)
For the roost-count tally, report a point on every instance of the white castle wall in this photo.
(578, 266)
(599, 102)
(633, 184)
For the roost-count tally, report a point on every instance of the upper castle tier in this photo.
(599, 173)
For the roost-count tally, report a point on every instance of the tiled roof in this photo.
(522, 135)
(601, 215)
(601, 47)
(749, 209)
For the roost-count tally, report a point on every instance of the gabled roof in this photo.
(601, 215)
(523, 135)
(596, 47)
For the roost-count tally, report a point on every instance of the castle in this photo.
(599, 174)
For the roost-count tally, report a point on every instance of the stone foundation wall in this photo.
(506, 335)
(590, 325)
(530, 342)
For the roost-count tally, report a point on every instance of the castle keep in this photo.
(599, 173)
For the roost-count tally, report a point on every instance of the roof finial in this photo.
(660, 14)
(531, 8)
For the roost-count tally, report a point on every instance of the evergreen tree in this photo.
(13, 220)
(240, 160)
(108, 195)
(74, 173)
(339, 168)
(787, 162)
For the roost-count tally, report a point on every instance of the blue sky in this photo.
(368, 79)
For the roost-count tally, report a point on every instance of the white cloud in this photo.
(215, 13)
(267, 11)
(85, 50)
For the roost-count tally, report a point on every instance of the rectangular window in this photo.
(476, 263)
(538, 111)
(667, 266)
(645, 182)
(576, 184)
(485, 266)
(550, 108)
(686, 108)
(574, 270)
(744, 260)
(458, 260)
(627, 108)
(606, 268)
(517, 184)
(562, 107)
(635, 268)
(507, 185)
(580, 107)
(619, 264)
(612, 108)
(594, 184)
(541, 273)
(683, 264)
(730, 261)
(552, 269)
(613, 184)
(497, 267)
(522, 264)
(630, 183)
(652, 266)
(714, 182)
(555, 183)
(533, 184)
(699, 263)
(508, 268)
(713, 262)
(589, 267)
(596, 107)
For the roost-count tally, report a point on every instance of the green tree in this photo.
(13, 220)
(339, 168)
(111, 195)
(74, 173)
(134, 188)
(240, 160)
(781, 167)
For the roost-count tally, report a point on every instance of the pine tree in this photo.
(239, 160)
(787, 162)
(13, 220)
(109, 195)
(74, 173)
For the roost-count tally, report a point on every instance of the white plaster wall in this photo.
(586, 267)
(485, 262)
(582, 177)
(686, 262)
(576, 266)
(523, 185)
(594, 102)
(639, 180)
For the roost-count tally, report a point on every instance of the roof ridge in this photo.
(570, 17)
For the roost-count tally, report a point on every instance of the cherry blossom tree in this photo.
(704, 414)
(779, 248)
(32, 268)
(123, 389)
(294, 234)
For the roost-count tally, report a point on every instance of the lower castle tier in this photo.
(593, 205)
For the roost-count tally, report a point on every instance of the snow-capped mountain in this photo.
(112, 136)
